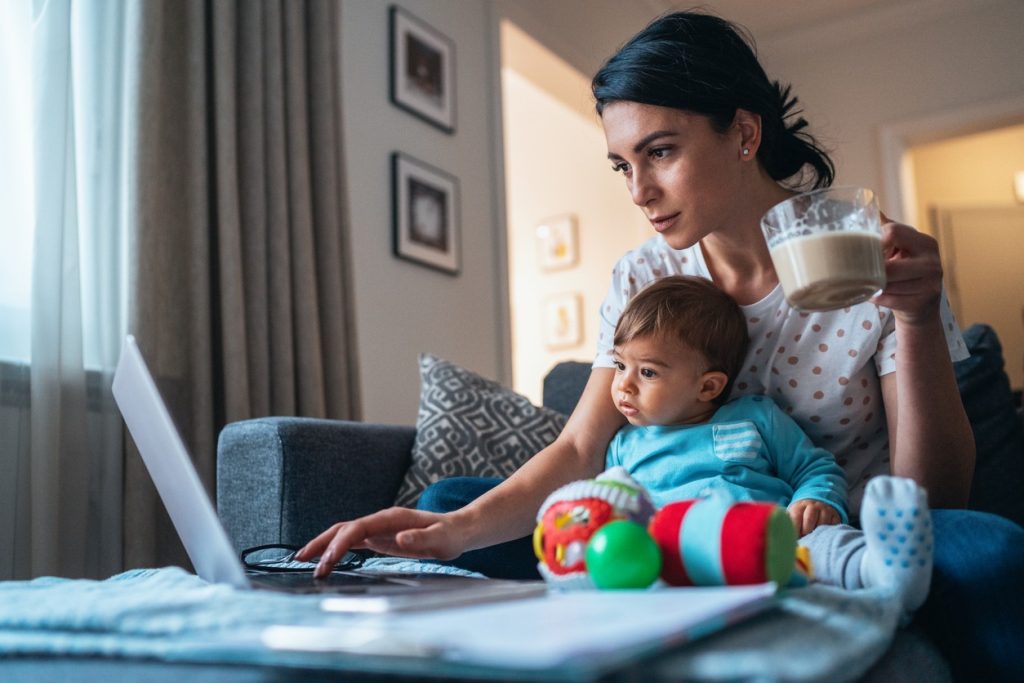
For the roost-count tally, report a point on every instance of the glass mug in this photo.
(826, 246)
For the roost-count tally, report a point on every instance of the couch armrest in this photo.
(285, 479)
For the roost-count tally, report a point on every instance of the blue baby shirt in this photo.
(748, 450)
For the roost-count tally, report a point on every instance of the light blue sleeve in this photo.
(613, 456)
(811, 471)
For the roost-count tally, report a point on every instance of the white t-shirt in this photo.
(823, 369)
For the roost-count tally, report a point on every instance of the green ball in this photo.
(621, 554)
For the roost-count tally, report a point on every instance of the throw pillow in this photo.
(469, 426)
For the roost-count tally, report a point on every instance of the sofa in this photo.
(283, 480)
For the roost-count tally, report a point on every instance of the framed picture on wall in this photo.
(422, 70)
(557, 246)
(425, 216)
(562, 321)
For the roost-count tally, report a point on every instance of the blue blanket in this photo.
(819, 634)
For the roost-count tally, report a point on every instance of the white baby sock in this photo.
(898, 536)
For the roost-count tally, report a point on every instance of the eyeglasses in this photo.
(281, 558)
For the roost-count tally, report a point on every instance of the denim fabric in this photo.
(509, 560)
(975, 611)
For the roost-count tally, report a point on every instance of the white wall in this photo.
(906, 61)
(555, 163)
(402, 309)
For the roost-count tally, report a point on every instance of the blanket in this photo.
(818, 634)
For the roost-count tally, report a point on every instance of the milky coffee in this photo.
(826, 246)
(828, 270)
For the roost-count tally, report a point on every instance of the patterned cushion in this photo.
(471, 426)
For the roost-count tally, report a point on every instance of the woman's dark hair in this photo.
(704, 64)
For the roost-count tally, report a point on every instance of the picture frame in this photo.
(425, 214)
(563, 320)
(422, 70)
(557, 242)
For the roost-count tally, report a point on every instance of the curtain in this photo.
(68, 500)
(188, 189)
(238, 276)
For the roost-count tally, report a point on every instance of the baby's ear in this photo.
(712, 383)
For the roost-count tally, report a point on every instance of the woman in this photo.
(706, 144)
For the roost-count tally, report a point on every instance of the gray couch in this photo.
(283, 480)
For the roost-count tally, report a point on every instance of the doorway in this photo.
(568, 216)
(965, 196)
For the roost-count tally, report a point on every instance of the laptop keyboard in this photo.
(357, 583)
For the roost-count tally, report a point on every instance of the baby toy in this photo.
(621, 554)
(716, 541)
(572, 514)
(605, 533)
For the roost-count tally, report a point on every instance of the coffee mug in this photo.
(826, 246)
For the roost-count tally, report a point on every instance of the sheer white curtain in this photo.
(65, 516)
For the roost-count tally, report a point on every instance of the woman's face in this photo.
(684, 175)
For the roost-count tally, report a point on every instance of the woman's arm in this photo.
(506, 512)
(929, 435)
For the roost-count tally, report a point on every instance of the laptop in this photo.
(207, 544)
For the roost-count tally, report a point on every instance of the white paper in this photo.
(586, 628)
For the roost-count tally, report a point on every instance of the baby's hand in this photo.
(807, 514)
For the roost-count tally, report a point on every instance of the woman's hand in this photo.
(913, 274)
(394, 531)
(808, 514)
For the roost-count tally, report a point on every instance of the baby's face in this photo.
(659, 382)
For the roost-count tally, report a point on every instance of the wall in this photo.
(555, 163)
(969, 181)
(901, 61)
(974, 170)
(402, 309)
(882, 63)
(906, 61)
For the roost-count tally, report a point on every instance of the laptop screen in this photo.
(172, 471)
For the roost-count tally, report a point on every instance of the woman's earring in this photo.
(746, 151)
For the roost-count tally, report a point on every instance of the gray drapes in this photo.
(238, 277)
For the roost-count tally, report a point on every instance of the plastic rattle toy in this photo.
(621, 554)
(716, 541)
(574, 513)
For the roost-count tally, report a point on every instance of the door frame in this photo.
(896, 138)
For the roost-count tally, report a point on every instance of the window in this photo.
(17, 221)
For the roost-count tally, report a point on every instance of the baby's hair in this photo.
(694, 311)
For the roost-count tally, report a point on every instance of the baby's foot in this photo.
(898, 534)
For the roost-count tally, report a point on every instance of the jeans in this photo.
(974, 612)
(509, 560)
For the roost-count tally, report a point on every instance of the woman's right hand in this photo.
(394, 531)
(505, 512)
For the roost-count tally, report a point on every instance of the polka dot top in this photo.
(822, 369)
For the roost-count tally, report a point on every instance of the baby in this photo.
(678, 345)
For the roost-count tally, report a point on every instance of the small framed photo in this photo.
(557, 242)
(425, 215)
(422, 70)
(562, 321)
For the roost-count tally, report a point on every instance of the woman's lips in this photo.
(663, 223)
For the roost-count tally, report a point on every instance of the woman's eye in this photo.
(658, 152)
(621, 167)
